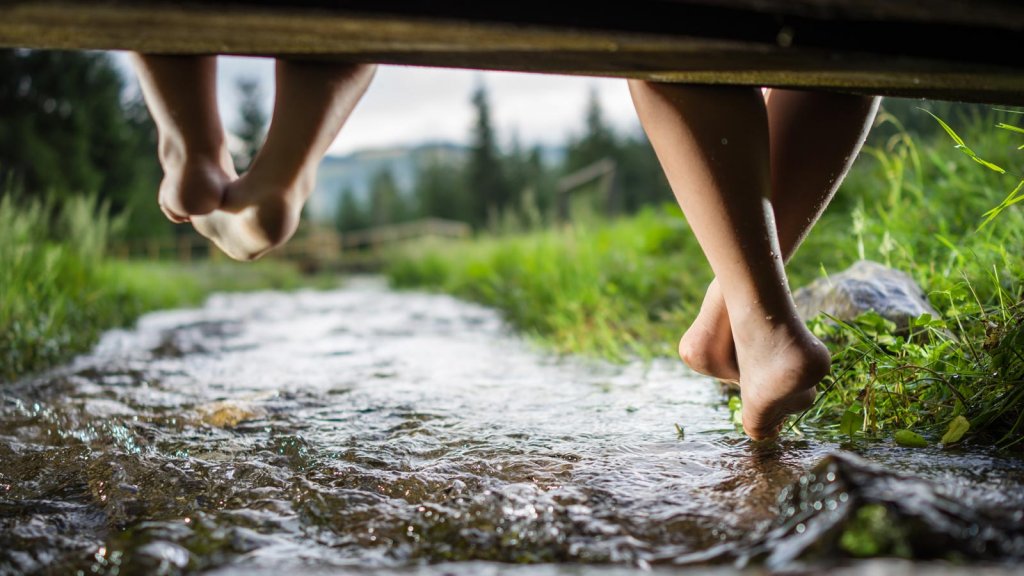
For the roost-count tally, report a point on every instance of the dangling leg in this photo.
(814, 138)
(713, 145)
(181, 93)
(261, 209)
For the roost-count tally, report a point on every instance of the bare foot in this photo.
(193, 185)
(707, 346)
(261, 209)
(257, 215)
(181, 94)
(786, 364)
(781, 363)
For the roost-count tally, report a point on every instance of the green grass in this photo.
(60, 291)
(925, 209)
(614, 290)
(628, 288)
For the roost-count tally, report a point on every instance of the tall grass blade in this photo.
(1010, 127)
(1011, 199)
(963, 147)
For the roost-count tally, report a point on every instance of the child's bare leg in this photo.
(814, 138)
(713, 145)
(261, 209)
(181, 93)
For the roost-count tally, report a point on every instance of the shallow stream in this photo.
(367, 431)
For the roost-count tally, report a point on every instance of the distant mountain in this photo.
(356, 171)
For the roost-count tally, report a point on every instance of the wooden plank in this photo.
(585, 175)
(929, 48)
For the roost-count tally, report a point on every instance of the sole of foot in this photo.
(256, 216)
(779, 373)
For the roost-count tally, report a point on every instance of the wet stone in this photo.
(865, 287)
(229, 413)
(846, 507)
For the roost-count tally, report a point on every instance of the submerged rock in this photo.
(228, 413)
(865, 287)
(846, 507)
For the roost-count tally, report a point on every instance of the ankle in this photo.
(784, 331)
(756, 320)
(292, 185)
(175, 152)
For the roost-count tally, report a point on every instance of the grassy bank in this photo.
(60, 291)
(629, 287)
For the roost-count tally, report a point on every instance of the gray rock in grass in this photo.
(866, 286)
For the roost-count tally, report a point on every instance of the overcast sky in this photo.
(407, 105)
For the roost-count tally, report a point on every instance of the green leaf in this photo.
(957, 428)
(886, 339)
(852, 420)
(910, 439)
(922, 320)
(876, 325)
(736, 408)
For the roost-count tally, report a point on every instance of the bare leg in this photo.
(713, 145)
(261, 209)
(181, 93)
(814, 138)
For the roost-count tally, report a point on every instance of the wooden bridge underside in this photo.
(943, 49)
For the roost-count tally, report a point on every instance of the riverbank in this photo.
(61, 290)
(629, 287)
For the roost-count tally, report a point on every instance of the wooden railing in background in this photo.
(317, 249)
(382, 236)
(602, 172)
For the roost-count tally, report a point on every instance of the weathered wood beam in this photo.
(946, 49)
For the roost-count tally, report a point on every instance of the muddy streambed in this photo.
(367, 431)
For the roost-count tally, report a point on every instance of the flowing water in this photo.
(368, 431)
